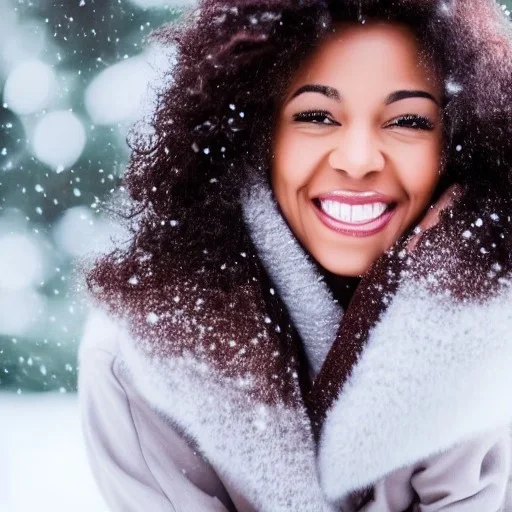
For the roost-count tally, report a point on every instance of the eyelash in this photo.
(412, 121)
(309, 116)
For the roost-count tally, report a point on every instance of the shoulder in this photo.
(109, 367)
(137, 454)
(101, 334)
(102, 380)
(111, 408)
(99, 382)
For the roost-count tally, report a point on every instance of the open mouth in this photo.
(364, 218)
(353, 213)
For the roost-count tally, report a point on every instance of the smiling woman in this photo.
(314, 313)
(356, 156)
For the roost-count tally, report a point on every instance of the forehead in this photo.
(378, 53)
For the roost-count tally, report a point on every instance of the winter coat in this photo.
(422, 422)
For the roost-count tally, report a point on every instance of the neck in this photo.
(341, 287)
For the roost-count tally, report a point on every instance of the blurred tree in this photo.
(41, 202)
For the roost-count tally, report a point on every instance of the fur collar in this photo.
(432, 373)
(314, 312)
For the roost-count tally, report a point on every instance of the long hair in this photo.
(215, 121)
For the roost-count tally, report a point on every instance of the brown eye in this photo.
(315, 117)
(413, 121)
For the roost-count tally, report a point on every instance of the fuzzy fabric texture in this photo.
(433, 372)
(265, 450)
(293, 273)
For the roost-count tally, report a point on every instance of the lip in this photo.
(355, 197)
(360, 229)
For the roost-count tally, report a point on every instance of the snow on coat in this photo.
(428, 390)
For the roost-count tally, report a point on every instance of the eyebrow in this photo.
(332, 93)
(401, 95)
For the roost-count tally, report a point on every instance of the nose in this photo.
(357, 152)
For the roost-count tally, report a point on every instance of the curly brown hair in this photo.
(214, 123)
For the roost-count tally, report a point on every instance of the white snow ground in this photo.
(43, 464)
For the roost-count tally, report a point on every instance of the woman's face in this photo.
(357, 145)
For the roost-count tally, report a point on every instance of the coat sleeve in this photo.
(117, 456)
(470, 477)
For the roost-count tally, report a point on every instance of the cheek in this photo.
(420, 179)
(295, 159)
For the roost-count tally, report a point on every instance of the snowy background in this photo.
(74, 76)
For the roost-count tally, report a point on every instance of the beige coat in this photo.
(424, 417)
(141, 463)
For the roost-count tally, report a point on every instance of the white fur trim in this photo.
(310, 304)
(266, 452)
(434, 373)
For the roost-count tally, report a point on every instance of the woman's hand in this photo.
(447, 199)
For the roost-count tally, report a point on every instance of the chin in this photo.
(346, 267)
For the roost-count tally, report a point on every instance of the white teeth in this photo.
(345, 212)
(353, 213)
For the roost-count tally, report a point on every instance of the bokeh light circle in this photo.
(115, 95)
(19, 311)
(81, 234)
(59, 139)
(21, 262)
(29, 87)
